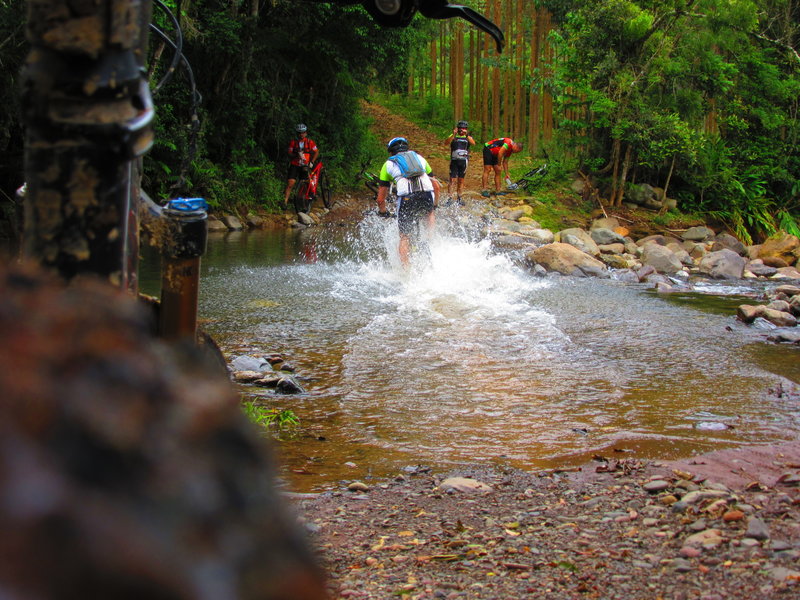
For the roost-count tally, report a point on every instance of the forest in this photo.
(697, 97)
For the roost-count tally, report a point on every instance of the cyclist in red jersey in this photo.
(303, 152)
(495, 158)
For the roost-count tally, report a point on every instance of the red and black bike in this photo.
(314, 182)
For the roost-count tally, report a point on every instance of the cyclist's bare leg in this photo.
(497, 172)
(404, 249)
(485, 177)
(288, 191)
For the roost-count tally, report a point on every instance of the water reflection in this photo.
(467, 357)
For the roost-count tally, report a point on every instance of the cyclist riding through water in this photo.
(417, 192)
(459, 141)
(303, 152)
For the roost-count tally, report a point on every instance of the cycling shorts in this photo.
(489, 158)
(411, 209)
(458, 168)
(296, 172)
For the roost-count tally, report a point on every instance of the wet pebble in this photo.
(757, 529)
(659, 485)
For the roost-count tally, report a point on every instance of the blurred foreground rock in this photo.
(127, 469)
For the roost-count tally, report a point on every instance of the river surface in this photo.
(469, 358)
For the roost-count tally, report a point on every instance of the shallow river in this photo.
(468, 357)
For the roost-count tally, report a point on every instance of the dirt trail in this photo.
(387, 125)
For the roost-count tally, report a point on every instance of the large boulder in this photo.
(723, 264)
(567, 260)
(782, 246)
(661, 258)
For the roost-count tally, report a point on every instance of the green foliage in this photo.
(296, 62)
(650, 74)
(270, 417)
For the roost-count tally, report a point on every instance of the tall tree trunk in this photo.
(433, 67)
(626, 163)
(519, 99)
(615, 148)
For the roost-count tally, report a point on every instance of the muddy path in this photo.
(435, 149)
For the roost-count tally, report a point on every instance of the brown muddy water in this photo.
(468, 358)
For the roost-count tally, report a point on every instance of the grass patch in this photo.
(267, 418)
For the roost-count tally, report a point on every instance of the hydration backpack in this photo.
(410, 164)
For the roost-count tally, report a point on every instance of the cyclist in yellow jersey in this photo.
(417, 195)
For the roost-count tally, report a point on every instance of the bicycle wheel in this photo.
(302, 202)
(325, 190)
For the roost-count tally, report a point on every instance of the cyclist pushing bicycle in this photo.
(303, 153)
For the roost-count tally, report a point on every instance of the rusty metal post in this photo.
(88, 113)
(182, 246)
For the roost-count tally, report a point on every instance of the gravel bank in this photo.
(724, 525)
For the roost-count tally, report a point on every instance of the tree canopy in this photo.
(698, 97)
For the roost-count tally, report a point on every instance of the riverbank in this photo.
(721, 525)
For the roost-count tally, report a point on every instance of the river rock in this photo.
(214, 224)
(250, 363)
(305, 219)
(287, 385)
(254, 221)
(643, 194)
(464, 485)
(539, 236)
(726, 240)
(778, 317)
(781, 246)
(512, 241)
(723, 264)
(661, 258)
(787, 273)
(748, 312)
(789, 290)
(781, 305)
(603, 236)
(611, 223)
(611, 248)
(775, 262)
(757, 529)
(619, 261)
(708, 539)
(579, 238)
(698, 234)
(232, 222)
(567, 260)
(758, 268)
(626, 275)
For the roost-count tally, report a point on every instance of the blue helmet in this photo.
(398, 144)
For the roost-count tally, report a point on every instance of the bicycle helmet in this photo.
(462, 125)
(301, 128)
(398, 144)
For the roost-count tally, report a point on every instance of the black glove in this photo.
(385, 214)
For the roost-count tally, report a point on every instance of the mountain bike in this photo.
(372, 182)
(314, 180)
(528, 180)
